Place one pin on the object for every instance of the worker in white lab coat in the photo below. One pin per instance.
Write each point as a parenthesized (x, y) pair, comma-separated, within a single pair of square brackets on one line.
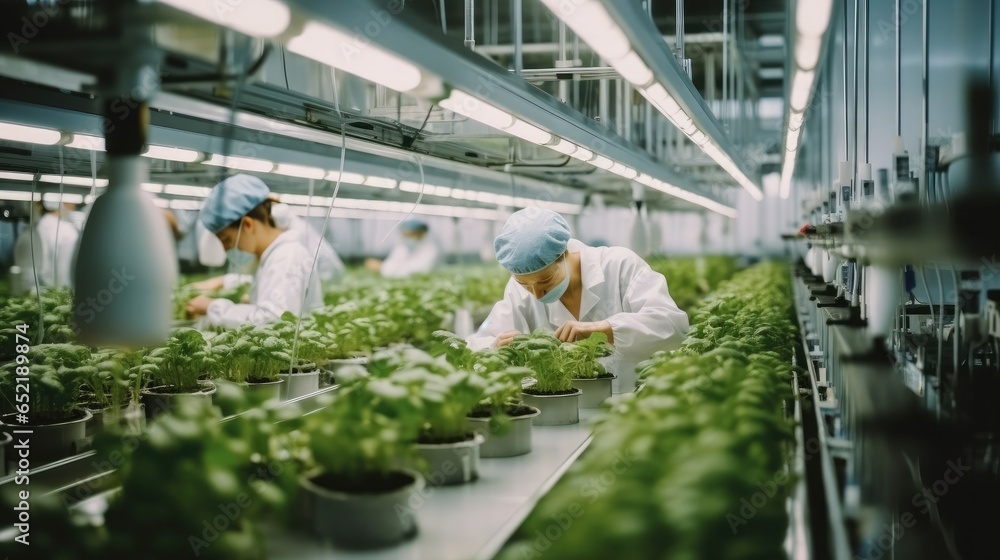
[(238, 212), (417, 254), (562, 285), (53, 242), (329, 267)]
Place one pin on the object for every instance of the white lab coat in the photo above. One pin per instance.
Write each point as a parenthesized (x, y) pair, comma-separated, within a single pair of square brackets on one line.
[(328, 264), (54, 252), (403, 262), (281, 277), (618, 287)]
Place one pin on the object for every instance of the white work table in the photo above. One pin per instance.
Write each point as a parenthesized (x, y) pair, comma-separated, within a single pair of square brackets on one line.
[(470, 521)]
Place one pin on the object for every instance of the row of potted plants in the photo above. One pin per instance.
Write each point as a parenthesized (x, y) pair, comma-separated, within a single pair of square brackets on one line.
[(692, 465)]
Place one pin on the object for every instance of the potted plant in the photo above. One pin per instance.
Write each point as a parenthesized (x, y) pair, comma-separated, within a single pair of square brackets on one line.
[(109, 390), (196, 486), (500, 417), (252, 357), (449, 448), (356, 495), (177, 368), (589, 375), (309, 345), (553, 392), (51, 375)]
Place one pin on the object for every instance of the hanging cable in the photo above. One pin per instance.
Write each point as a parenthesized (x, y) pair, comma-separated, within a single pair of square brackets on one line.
[(867, 83), (420, 196), (940, 333), (55, 251), (34, 267), (954, 335), (326, 221), (927, 291), (854, 159), (847, 129)]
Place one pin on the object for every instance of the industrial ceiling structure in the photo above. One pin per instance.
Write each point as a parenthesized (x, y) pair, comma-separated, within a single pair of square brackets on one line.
[(574, 121)]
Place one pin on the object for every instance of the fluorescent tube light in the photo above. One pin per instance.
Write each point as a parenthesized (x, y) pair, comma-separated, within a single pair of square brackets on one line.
[(477, 110), (241, 163), (186, 190), (178, 204), (70, 180), (86, 142), (172, 154), (601, 162), (30, 134), (352, 178), (589, 20), (12, 176), (813, 17), (257, 18), (529, 132), (563, 147), (17, 195), (380, 182), (67, 198), (340, 50), (582, 154), (302, 171), (155, 188), (633, 69)]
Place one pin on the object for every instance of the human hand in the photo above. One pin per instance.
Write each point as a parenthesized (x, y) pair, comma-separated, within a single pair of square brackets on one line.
[(505, 338), (571, 331), (198, 306), (373, 265)]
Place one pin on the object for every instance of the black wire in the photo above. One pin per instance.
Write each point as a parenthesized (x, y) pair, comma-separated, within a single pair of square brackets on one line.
[(408, 141), (284, 67)]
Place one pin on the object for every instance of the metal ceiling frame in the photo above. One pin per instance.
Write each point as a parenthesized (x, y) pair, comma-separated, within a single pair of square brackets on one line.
[(422, 44)]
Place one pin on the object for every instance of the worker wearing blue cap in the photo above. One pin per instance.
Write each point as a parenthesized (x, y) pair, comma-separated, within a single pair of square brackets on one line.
[(238, 212), (560, 284), (417, 254)]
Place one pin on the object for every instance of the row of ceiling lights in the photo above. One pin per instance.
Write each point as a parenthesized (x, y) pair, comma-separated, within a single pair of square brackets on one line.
[(38, 135), (330, 46)]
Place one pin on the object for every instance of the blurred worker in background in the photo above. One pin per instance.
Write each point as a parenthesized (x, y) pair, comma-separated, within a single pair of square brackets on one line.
[(238, 212), (560, 284), (53, 242), (417, 254), (329, 267)]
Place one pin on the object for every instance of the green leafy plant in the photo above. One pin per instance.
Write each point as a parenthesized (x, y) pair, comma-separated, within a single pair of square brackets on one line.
[(703, 433), (539, 351), (190, 468), (250, 354), (581, 357), (55, 374), (180, 363)]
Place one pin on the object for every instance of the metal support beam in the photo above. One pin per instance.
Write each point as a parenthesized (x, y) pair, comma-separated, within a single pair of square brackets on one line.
[(603, 110), (470, 23), (680, 30), (517, 26)]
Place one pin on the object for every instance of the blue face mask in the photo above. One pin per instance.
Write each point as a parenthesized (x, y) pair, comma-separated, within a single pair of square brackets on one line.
[(554, 294), (238, 259), (411, 243)]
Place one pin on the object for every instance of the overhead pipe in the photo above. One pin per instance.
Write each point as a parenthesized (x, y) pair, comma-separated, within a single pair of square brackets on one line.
[(470, 23), (516, 21)]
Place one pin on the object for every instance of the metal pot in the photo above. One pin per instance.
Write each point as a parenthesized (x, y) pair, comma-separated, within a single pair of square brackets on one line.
[(556, 410), (516, 441), (360, 520), (51, 442), (264, 392), (451, 463), (299, 384), (595, 391), (157, 402)]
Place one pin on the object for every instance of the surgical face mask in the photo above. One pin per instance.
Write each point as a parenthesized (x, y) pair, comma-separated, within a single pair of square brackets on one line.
[(411, 243), (554, 294), (238, 259)]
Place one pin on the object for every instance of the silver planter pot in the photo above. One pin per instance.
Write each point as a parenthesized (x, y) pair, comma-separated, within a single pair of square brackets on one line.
[(131, 417), (299, 383), (556, 410), (51, 442), (158, 402), (265, 392), (360, 521), (515, 441), (595, 391), (451, 463)]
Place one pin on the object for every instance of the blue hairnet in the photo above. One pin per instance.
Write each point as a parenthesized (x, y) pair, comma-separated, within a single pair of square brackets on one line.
[(531, 240), (232, 199), (413, 225)]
